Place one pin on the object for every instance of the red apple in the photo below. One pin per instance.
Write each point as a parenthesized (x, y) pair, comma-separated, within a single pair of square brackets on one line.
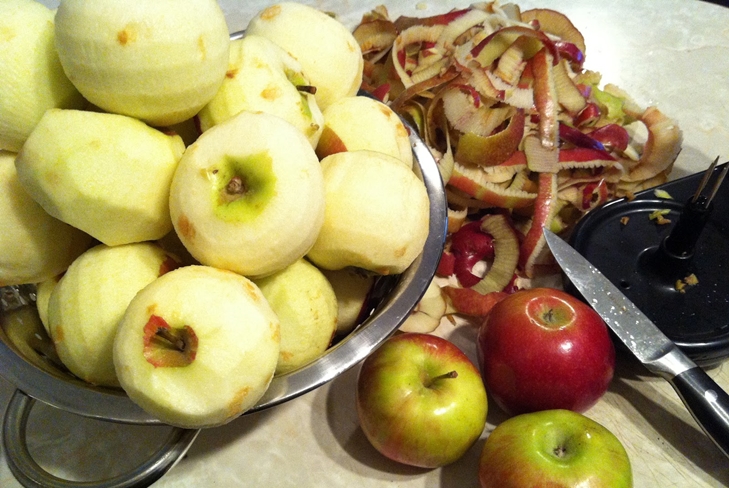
[(420, 400), (543, 349), (555, 448)]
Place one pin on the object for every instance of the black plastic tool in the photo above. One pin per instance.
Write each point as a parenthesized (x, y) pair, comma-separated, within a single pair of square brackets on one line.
[(674, 268)]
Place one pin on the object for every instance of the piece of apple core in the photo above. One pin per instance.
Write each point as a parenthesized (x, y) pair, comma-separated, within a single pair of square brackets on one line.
[(197, 347)]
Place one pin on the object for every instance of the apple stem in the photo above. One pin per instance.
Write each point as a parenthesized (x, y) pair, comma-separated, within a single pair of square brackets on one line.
[(177, 342), (311, 90), (448, 375), (235, 186)]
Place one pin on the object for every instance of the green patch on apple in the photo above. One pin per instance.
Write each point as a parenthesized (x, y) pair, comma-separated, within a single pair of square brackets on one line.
[(242, 187), (556, 448)]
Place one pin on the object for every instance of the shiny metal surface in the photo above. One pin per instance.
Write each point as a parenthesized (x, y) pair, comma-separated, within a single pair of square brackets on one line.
[(644, 339), (30, 474), (41, 381)]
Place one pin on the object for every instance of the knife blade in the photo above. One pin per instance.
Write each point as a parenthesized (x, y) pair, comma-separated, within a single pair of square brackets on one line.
[(707, 402)]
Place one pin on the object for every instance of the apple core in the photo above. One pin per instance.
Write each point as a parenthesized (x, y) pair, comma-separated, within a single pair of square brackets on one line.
[(243, 187)]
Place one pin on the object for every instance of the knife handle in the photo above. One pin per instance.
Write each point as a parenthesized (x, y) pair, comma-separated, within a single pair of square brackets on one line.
[(707, 402)]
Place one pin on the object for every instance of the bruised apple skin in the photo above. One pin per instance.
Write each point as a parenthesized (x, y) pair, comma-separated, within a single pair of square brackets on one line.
[(106, 174), (376, 216), (197, 347), (87, 304), (35, 246), (248, 195), (356, 123), (159, 61), (32, 77), (327, 50), (306, 306), (263, 77)]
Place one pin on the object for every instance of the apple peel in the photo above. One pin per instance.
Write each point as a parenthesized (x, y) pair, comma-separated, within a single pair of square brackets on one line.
[(506, 254)]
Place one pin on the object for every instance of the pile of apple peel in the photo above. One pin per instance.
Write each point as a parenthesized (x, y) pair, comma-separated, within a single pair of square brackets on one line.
[(520, 131), (198, 213)]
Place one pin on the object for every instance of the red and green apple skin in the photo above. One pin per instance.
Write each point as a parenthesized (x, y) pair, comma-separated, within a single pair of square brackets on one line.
[(555, 449), (544, 349), (413, 408)]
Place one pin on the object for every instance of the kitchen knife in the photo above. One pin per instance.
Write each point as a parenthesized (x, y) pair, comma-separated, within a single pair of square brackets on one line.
[(707, 402)]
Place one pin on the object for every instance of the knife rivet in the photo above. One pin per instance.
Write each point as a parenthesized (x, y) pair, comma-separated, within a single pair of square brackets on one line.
[(711, 396)]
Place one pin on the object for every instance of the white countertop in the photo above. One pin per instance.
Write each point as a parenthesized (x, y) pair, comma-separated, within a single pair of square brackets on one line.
[(671, 53)]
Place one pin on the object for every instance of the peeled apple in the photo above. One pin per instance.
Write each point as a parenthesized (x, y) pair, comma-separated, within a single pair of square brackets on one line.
[(159, 61)]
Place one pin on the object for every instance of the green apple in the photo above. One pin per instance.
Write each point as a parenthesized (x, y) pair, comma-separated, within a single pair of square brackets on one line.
[(263, 77), (556, 448), (197, 347), (376, 216), (352, 288), (248, 195), (87, 304), (43, 292), (420, 400), (328, 52), (159, 61), (429, 311), (306, 306), (108, 175), (31, 77), (35, 246), (355, 123)]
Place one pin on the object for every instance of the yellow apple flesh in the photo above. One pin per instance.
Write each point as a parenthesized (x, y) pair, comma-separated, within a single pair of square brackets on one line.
[(228, 356), (108, 175), (31, 77), (352, 288), (326, 49), (376, 216), (43, 299), (158, 61), (427, 314), (263, 77), (248, 195), (88, 303), (306, 305), (356, 123), (35, 246)]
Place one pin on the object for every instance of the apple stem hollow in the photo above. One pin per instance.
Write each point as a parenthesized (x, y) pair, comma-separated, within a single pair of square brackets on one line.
[(177, 342), (236, 186)]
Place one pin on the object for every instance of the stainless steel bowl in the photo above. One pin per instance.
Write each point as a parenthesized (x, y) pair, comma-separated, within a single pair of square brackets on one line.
[(26, 365)]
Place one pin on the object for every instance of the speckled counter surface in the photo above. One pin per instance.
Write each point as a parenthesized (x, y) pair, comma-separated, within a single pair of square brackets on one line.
[(671, 53)]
